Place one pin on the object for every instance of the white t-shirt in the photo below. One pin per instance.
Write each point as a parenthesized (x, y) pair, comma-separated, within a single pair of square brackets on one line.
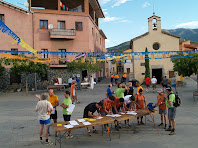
[(153, 80), (42, 108), (126, 99)]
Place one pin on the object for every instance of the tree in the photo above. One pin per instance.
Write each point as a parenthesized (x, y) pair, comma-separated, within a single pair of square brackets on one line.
[(186, 66), (147, 67), (28, 67), (77, 65)]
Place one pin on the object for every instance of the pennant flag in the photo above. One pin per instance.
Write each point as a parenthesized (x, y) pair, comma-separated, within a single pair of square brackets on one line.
[(152, 56), (164, 56), (141, 57)]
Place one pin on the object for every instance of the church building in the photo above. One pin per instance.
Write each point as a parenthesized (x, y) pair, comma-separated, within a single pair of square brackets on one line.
[(154, 40)]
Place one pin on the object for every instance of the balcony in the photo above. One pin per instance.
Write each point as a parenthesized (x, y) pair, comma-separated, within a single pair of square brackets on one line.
[(62, 34)]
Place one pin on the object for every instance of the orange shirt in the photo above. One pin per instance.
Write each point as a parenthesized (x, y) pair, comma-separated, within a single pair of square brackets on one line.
[(106, 105), (112, 76), (161, 99), (140, 100), (116, 76), (53, 99), (117, 103), (140, 87), (124, 75), (73, 90)]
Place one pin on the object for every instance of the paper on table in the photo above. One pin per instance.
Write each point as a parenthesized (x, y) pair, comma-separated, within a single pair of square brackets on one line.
[(81, 120), (131, 113), (123, 113), (68, 126), (114, 115), (73, 122), (71, 108), (86, 123), (99, 117)]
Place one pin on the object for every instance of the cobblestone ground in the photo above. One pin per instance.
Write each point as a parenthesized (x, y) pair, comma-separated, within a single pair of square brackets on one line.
[(19, 125)]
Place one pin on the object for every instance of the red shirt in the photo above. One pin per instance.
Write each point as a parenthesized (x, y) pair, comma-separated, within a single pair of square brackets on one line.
[(147, 80)]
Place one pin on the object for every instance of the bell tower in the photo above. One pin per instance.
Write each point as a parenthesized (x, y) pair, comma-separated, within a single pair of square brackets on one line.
[(154, 24)]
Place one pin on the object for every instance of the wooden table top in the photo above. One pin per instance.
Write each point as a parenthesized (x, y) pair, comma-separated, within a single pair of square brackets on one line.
[(104, 120)]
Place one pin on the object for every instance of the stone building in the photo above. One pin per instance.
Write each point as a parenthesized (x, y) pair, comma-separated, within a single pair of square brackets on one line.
[(154, 40)]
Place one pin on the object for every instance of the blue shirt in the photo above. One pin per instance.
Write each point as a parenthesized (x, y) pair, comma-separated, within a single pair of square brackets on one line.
[(109, 92), (77, 80)]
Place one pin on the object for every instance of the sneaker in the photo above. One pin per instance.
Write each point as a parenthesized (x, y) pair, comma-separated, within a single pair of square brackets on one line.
[(161, 124), (48, 143), (41, 141), (70, 136), (172, 132), (77, 102), (127, 126), (89, 133), (142, 123), (168, 129), (96, 132), (165, 126)]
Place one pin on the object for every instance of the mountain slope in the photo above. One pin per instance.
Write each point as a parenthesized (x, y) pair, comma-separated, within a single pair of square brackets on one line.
[(185, 34)]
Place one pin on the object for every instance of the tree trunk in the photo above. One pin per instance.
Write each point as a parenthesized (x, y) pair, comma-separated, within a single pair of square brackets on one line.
[(26, 84)]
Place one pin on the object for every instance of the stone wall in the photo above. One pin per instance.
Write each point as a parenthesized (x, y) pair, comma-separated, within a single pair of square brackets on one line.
[(5, 79)]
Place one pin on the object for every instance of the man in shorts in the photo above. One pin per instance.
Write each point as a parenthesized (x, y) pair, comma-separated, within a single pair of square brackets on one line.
[(53, 99), (154, 83), (165, 82), (147, 81), (162, 107), (44, 108), (170, 100), (174, 83)]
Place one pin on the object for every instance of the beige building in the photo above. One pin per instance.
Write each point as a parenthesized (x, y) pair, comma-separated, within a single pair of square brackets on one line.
[(154, 40)]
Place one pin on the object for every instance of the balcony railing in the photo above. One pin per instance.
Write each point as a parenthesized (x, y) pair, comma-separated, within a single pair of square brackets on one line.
[(63, 34)]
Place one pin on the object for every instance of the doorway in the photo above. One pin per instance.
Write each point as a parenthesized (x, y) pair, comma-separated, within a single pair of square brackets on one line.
[(171, 74), (158, 74), (128, 70), (84, 74)]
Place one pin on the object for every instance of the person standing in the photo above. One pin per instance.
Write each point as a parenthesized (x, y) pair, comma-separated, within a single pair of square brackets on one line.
[(78, 82), (73, 93), (124, 76), (89, 111), (116, 79), (66, 114), (138, 86), (129, 90), (174, 83), (120, 91), (154, 83), (164, 82), (112, 77), (70, 81), (141, 103), (170, 100), (91, 82), (44, 109), (147, 81), (162, 107), (109, 92)]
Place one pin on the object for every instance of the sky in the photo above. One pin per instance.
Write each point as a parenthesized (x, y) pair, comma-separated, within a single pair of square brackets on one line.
[(126, 19)]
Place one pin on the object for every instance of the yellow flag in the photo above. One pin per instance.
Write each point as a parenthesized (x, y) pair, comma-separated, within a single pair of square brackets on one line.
[(152, 56), (164, 56), (83, 60), (141, 57)]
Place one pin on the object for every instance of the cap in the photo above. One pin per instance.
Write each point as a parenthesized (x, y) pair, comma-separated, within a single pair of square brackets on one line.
[(159, 90), (168, 88)]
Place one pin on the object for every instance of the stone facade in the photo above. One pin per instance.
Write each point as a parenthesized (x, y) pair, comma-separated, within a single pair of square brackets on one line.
[(5, 79)]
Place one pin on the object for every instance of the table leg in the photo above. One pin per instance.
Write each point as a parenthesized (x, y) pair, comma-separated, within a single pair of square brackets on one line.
[(102, 130)]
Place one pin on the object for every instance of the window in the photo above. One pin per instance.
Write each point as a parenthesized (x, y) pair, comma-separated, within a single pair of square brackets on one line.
[(156, 46), (62, 55), (43, 24), (142, 64), (14, 51), (79, 26), (61, 25), (44, 55), (2, 17)]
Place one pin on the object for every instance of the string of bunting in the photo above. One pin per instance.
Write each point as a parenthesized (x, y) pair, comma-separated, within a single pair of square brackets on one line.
[(5, 29)]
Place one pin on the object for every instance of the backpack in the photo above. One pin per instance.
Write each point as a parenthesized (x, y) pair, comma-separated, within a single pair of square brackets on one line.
[(177, 101)]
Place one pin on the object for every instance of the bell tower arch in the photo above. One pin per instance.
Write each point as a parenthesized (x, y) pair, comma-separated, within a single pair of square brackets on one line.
[(154, 23)]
